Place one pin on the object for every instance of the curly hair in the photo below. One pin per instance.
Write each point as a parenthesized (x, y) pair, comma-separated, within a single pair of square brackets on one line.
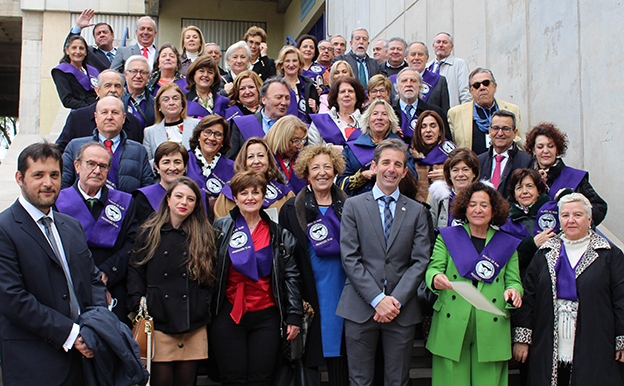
[(551, 131), (418, 142), (500, 206), (518, 175), (309, 152), (209, 121), (360, 94)]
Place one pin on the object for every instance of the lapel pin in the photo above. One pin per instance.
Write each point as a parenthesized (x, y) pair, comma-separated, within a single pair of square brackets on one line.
[(403, 208)]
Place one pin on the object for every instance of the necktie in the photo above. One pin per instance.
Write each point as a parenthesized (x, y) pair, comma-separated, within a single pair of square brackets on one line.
[(145, 52), (387, 216), (497, 170), (74, 308), (110, 56), (109, 146), (91, 202), (436, 67), (408, 111), (362, 73)]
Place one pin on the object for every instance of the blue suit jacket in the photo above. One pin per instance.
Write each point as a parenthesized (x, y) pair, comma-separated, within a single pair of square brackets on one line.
[(34, 301)]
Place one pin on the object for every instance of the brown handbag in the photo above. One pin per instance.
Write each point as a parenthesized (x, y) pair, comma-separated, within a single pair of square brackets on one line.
[(142, 331)]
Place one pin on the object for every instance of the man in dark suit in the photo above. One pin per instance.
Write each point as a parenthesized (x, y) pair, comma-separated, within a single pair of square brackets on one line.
[(384, 246), (47, 278), (81, 122), (103, 53), (145, 33), (275, 99), (409, 106), (364, 67), (434, 87), (108, 218), (503, 155), (137, 99)]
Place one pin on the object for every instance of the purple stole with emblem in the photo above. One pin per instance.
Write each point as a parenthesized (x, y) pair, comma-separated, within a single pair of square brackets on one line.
[(298, 109), (196, 110), (364, 154), (275, 191), (324, 233), (154, 194), (220, 176), (472, 265), (132, 109), (438, 154), (232, 112), (329, 130), (87, 81), (315, 72), (245, 259), (569, 178), (111, 178), (430, 79), (547, 217), (408, 126), (103, 232), (249, 126)]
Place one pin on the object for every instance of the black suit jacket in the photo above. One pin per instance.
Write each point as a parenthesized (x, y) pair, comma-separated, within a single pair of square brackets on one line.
[(81, 123), (34, 301), (422, 106), (371, 64), (265, 68), (439, 96), (97, 58), (237, 139), (518, 159)]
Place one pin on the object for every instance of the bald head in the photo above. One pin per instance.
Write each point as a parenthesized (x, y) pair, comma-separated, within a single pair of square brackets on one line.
[(109, 116)]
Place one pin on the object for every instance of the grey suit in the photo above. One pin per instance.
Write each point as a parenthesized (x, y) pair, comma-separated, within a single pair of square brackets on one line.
[(123, 53), (368, 263)]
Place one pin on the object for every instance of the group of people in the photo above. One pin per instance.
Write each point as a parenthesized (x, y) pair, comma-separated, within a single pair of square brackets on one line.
[(222, 200)]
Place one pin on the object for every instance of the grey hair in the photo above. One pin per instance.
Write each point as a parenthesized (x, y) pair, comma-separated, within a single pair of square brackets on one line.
[(271, 80), (236, 46), (424, 45), (110, 71), (420, 81), (447, 34), (89, 144), (391, 143), (394, 121), (213, 44), (146, 18), (358, 29), (396, 39), (575, 197), (140, 58), (505, 113), (480, 70)]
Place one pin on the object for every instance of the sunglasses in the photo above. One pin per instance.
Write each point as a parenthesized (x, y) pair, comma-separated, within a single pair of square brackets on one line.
[(477, 85)]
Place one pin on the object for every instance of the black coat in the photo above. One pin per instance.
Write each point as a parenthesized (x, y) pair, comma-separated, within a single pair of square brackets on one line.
[(265, 68), (71, 93), (423, 106), (236, 138), (600, 319), (178, 303), (309, 92), (518, 159), (294, 217), (285, 277), (81, 123)]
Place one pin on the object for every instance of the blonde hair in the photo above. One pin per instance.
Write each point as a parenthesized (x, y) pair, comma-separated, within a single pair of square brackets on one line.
[(394, 121), (279, 63), (334, 69), (278, 138), (202, 45)]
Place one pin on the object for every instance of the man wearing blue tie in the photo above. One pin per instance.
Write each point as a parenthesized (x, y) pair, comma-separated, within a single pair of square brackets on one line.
[(454, 69), (385, 249), (364, 67)]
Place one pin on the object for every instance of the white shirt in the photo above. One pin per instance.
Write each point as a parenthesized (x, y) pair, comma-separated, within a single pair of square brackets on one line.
[(503, 162), (151, 52)]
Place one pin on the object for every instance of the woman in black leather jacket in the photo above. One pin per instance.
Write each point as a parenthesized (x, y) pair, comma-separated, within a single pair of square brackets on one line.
[(257, 292)]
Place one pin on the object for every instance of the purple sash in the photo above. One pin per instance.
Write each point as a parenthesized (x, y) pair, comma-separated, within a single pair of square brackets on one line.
[(569, 178), (429, 80), (180, 82), (298, 109), (364, 154), (245, 260), (470, 265), (232, 112), (294, 183), (438, 155), (249, 126), (87, 81), (154, 194), (220, 176), (329, 130), (111, 178), (566, 276), (275, 191), (547, 217), (315, 72), (103, 232), (515, 228), (195, 110), (132, 109), (324, 233), (408, 126)]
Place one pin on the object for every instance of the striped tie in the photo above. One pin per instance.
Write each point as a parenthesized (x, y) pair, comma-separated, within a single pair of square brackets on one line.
[(387, 216)]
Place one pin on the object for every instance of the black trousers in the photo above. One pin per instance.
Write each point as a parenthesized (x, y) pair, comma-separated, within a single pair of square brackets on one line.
[(246, 352)]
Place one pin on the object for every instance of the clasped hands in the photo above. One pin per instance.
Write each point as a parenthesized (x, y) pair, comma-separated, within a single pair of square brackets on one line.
[(386, 310)]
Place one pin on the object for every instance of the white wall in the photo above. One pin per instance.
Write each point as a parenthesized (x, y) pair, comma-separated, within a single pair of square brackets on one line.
[(558, 60)]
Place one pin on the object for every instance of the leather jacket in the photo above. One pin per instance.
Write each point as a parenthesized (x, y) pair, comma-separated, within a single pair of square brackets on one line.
[(285, 277)]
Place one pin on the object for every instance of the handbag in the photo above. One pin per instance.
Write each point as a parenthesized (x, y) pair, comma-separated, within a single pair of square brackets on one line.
[(294, 349), (142, 332)]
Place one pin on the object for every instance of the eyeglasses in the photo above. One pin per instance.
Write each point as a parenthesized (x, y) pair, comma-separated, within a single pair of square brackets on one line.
[(477, 85), (378, 91), (299, 141), (330, 49), (208, 133), (133, 73), (496, 129), (91, 165)]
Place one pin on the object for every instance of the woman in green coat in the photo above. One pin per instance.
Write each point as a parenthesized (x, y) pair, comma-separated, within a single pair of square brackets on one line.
[(470, 346)]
